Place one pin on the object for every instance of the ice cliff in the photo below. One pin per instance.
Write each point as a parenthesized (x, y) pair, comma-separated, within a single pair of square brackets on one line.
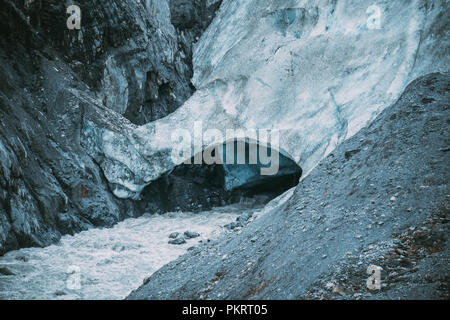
[(318, 71)]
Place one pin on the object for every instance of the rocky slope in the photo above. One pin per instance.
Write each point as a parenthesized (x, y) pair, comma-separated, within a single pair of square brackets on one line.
[(136, 55), (131, 62), (381, 198)]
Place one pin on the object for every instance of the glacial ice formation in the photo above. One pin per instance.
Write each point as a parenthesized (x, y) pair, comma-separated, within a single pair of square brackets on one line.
[(317, 71)]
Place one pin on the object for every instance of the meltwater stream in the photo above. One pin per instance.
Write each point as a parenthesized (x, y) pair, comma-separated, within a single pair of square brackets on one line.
[(108, 263)]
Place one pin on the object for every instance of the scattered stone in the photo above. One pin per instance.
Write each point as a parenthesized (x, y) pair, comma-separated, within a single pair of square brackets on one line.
[(146, 280), (174, 235), (243, 218), (177, 241), (22, 258), (6, 272), (233, 225), (118, 248), (191, 235)]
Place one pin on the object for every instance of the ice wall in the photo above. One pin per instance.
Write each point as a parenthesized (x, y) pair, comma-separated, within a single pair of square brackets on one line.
[(316, 70)]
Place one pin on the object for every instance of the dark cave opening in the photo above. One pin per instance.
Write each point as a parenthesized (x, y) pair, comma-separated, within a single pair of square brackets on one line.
[(199, 187)]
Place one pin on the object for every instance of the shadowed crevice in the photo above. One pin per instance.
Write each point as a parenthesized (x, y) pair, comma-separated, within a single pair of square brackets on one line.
[(195, 187)]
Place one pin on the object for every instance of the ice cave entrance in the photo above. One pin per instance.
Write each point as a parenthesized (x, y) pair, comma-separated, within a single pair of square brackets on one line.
[(202, 186)]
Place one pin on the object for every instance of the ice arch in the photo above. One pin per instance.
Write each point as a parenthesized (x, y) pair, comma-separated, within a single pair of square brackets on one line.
[(191, 187)]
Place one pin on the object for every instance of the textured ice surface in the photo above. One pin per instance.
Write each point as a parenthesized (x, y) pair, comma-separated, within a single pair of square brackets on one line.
[(112, 262), (312, 69)]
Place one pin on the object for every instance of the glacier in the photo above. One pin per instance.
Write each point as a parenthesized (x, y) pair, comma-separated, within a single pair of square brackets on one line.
[(317, 71)]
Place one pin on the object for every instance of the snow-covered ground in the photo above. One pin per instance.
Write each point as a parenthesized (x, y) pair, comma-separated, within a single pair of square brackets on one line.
[(107, 263)]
